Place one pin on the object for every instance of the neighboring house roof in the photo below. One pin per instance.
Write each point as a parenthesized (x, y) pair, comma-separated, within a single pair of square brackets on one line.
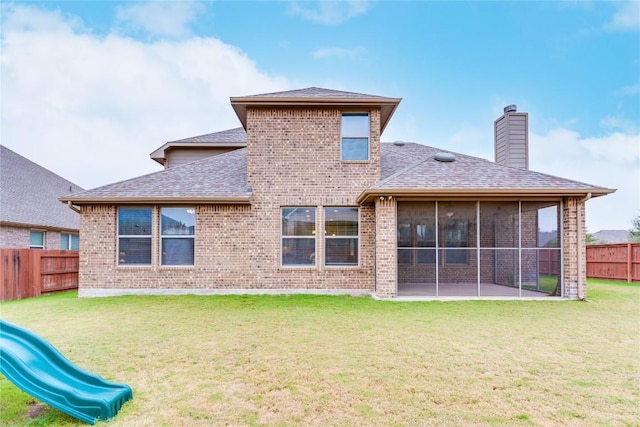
[(406, 168), (216, 179), (419, 173), (29, 194), (227, 138), (314, 96), (612, 236)]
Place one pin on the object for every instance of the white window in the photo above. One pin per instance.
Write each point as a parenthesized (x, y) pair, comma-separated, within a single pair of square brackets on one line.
[(177, 227), (341, 231), (298, 236), (36, 239), (355, 136), (134, 236), (69, 242)]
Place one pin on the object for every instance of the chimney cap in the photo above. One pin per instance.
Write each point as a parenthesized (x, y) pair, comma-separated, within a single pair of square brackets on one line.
[(510, 108)]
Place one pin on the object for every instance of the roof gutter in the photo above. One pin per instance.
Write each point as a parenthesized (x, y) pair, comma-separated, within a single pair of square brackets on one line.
[(164, 200), (73, 208), (370, 194)]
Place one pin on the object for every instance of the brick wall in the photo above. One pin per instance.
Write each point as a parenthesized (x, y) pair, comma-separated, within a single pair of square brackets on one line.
[(20, 237), (293, 159), (575, 276)]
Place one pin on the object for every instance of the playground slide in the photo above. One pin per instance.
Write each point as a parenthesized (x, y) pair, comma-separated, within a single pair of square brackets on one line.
[(38, 369)]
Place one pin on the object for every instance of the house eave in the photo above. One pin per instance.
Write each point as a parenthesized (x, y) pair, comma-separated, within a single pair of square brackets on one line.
[(387, 105), (157, 200), (369, 195), (38, 226)]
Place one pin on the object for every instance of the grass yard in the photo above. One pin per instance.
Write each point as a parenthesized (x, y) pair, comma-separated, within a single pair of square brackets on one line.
[(343, 361)]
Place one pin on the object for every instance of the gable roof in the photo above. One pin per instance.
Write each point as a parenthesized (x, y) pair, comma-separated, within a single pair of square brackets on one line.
[(314, 96), (29, 194), (410, 169), (236, 137), (213, 180)]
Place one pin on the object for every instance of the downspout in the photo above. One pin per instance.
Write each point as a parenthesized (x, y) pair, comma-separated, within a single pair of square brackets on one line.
[(73, 208), (581, 244)]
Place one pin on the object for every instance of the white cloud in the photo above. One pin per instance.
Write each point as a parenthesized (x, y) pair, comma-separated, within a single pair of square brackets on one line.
[(160, 18), (629, 90), (329, 52), (627, 16), (92, 108), (627, 126), (611, 161), (329, 12)]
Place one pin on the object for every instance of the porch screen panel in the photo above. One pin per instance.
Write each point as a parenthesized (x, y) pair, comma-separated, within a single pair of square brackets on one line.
[(541, 253), (298, 236), (416, 241), (134, 236), (499, 242)]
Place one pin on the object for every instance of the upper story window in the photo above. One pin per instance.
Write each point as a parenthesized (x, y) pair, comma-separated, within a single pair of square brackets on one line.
[(177, 227), (134, 236), (355, 136), (36, 239)]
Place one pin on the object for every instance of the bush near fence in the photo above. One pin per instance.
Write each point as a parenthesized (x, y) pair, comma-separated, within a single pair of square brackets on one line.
[(32, 272), (614, 262)]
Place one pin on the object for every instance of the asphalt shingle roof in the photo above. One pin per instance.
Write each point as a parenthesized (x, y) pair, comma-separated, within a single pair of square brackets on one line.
[(237, 135), (221, 177), (412, 166), (316, 92), (404, 166), (29, 194)]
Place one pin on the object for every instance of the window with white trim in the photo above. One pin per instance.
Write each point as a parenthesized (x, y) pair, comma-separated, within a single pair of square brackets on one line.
[(134, 235), (298, 236), (69, 242), (355, 136), (36, 239), (177, 231), (341, 236)]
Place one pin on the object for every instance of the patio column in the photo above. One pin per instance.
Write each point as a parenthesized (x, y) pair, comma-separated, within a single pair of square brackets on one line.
[(574, 251), (386, 250)]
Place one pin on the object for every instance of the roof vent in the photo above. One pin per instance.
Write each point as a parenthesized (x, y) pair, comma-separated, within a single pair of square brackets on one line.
[(510, 108), (398, 143), (444, 157)]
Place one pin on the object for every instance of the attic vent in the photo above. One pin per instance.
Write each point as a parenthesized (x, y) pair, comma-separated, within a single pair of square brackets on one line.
[(444, 157), (510, 108), (398, 143)]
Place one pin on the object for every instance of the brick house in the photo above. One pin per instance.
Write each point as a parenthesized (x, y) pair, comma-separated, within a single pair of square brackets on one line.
[(304, 197), (31, 215)]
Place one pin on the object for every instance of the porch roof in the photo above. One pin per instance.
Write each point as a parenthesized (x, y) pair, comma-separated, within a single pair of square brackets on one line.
[(412, 170), (213, 180)]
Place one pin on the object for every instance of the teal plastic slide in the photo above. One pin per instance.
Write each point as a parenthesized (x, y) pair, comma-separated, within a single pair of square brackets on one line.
[(38, 369)]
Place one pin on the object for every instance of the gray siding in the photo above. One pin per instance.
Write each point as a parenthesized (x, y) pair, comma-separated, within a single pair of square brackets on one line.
[(180, 156), (511, 140)]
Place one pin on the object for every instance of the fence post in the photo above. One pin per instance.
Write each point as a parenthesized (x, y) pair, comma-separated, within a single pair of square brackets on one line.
[(629, 269)]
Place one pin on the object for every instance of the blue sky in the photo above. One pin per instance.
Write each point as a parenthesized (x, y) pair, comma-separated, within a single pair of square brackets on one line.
[(89, 89)]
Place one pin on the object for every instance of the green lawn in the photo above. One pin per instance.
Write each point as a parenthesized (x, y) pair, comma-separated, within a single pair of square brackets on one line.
[(320, 360)]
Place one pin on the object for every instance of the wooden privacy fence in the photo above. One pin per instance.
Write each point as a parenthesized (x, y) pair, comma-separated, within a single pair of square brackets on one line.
[(614, 262), (32, 272)]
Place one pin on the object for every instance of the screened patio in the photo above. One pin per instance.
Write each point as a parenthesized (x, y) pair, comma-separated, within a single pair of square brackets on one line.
[(479, 249)]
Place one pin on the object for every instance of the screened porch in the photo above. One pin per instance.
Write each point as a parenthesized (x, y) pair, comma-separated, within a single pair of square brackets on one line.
[(479, 249)]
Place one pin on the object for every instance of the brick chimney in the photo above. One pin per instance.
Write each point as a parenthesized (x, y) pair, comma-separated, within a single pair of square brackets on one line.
[(511, 136)]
